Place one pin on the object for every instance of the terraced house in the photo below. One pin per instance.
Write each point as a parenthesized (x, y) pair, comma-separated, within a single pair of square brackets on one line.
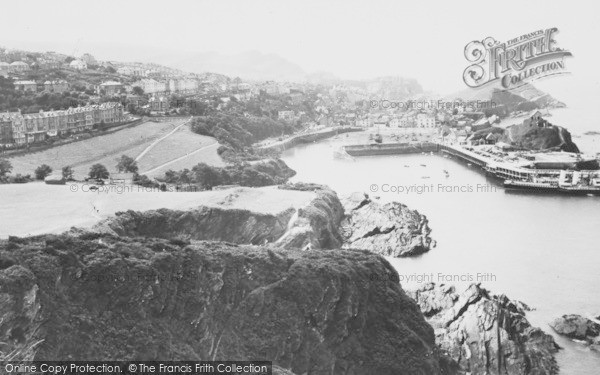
[(19, 129)]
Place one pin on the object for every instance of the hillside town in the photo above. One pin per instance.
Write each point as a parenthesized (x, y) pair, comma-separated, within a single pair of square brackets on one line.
[(48, 95)]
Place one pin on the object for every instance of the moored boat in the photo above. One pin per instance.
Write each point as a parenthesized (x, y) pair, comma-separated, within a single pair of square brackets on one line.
[(534, 187)]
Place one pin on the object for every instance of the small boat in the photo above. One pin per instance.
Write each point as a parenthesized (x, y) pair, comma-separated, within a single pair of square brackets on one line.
[(423, 165), (425, 177), (406, 166)]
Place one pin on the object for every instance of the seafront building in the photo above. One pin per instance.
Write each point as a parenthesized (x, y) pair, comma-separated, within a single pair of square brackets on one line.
[(21, 129)]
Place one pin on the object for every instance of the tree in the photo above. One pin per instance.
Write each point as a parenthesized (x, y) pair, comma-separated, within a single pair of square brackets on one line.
[(98, 171), (5, 167), (67, 173), (137, 90), (205, 175), (127, 164), (43, 171)]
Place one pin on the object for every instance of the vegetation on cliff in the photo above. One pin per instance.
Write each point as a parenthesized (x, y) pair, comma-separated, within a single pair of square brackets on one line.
[(102, 297), (263, 173), (237, 132)]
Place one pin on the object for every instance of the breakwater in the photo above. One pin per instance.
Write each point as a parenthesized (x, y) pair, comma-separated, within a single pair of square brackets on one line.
[(307, 138), (382, 149), (391, 148)]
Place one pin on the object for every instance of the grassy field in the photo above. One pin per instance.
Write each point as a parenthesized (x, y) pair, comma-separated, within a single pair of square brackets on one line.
[(158, 142), (182, 149)]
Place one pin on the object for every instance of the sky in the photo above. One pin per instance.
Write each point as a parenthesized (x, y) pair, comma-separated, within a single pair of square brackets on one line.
[(352, 39)]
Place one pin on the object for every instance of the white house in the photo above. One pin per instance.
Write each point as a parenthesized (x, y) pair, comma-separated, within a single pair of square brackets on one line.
[(78, 65)]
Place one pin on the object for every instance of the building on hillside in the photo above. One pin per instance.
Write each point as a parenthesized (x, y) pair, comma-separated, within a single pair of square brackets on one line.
[(78, 65), (151, 86), (6, 132), (49, 64), (134, 71), (425, 121), (159, 104), (286, 115), (183, 85), (30, 86), (4, 69), (36, 127), (110, 88), (18, 67), (56, 86)]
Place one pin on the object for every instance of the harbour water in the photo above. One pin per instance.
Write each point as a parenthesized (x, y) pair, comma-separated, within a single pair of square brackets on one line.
[(541, 250)]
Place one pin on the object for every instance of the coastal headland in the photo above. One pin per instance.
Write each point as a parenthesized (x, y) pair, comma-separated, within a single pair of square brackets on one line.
[(221, 280)]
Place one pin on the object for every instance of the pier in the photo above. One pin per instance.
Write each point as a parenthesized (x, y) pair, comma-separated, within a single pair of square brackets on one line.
[(464, 154), (514, 168)]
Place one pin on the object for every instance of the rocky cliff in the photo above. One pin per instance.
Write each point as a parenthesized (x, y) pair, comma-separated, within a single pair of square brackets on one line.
[(486, 334), (530, 136), (98, 296), (390, 229), (314, 225)]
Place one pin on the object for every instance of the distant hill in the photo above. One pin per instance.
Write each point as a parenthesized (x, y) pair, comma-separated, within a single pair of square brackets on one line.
[(524, 98), (251, 65)]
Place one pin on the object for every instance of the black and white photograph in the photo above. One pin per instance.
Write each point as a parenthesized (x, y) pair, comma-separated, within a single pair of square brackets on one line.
[(287, 187)]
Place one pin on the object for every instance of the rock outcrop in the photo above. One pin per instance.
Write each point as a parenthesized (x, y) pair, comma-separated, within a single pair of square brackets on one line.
[(486, 334), (390, 229), (579, 328), (312, 226), (100, 297), (543, 136), (316, 225)]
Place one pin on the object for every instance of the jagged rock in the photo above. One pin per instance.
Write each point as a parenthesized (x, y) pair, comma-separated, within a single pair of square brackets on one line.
[(101, 297), (530, 136), (579, 328), (316, 225), (312, 226), (202, 223), (486, 334), (390, 229)]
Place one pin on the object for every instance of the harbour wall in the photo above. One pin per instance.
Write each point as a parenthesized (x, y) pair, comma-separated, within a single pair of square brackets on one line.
[(391, 148), (308, 138)]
